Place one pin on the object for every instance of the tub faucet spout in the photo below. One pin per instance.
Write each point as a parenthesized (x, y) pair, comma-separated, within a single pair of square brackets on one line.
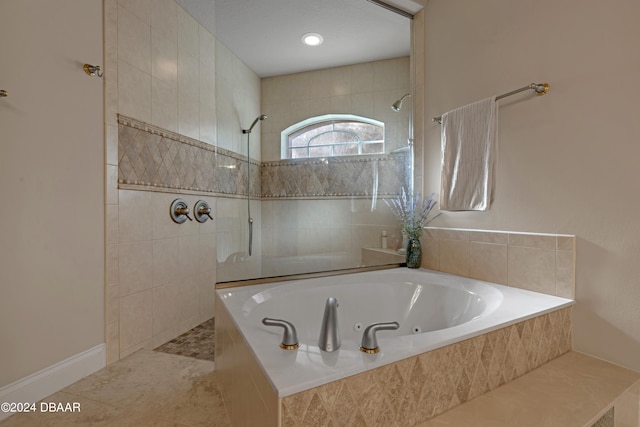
[(330, 332)]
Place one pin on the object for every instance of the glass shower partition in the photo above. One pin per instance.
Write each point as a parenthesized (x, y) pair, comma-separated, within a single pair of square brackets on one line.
[(327, 213)]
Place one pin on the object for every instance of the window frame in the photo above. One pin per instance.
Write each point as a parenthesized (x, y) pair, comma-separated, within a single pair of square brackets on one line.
[(326, 119)]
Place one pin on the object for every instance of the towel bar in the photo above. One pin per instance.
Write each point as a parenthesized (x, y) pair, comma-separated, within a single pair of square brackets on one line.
[(540, 88)]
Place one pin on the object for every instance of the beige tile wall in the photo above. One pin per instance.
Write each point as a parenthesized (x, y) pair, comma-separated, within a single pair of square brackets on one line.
[(165, 67), (537, 262), (159, 69), (338, 228), (366, 89), (166, 271), (237, 104), (233, 240)]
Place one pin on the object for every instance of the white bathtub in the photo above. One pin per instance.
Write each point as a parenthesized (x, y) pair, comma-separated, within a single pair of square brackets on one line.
[(434, 309)]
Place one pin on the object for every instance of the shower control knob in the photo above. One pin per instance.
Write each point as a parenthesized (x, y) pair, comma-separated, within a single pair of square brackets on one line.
[(183, 211), (202, 211), (179, 211), (205, 211)]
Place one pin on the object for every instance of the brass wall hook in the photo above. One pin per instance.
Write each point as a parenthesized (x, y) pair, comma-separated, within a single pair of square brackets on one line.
[(93, 70), (3, 93)]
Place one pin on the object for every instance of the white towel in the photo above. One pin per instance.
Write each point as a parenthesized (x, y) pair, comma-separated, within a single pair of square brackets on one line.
[(469, 150)]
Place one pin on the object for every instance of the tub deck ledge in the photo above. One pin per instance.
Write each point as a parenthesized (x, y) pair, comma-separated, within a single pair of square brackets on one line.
[(572, 390)]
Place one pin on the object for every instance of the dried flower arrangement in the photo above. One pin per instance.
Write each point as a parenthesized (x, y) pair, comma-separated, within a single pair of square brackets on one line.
[(405, 209)]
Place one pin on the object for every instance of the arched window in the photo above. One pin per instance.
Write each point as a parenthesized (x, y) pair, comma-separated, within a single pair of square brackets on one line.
[(333, 135)]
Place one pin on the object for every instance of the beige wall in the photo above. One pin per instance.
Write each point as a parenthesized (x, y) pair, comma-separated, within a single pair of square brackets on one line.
[(567, 161), (51, 182)]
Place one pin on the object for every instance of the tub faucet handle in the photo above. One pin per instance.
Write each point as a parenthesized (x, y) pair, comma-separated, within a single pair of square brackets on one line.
[(290, 337), (369, 341)]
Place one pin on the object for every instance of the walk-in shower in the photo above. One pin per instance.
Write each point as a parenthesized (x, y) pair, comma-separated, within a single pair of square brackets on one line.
[(248, 133), (314, 215)]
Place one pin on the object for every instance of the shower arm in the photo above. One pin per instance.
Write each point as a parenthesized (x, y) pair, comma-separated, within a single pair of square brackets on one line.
[(403, 97)]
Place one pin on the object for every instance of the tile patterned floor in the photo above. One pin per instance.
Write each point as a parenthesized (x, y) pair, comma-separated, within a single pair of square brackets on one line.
[(146, 388), (197, 342)]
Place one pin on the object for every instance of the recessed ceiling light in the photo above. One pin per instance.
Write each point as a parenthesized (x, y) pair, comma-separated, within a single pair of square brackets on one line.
[(312, 39)]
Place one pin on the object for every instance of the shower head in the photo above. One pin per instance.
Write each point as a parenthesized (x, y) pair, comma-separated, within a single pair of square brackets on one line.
[(398, 104), (259, 118)]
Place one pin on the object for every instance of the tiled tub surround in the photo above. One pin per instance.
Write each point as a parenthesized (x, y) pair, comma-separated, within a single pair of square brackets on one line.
[(534, 261), (385, 389)]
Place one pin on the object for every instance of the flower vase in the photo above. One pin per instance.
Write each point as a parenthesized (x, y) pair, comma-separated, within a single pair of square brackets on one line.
[(414, 252)]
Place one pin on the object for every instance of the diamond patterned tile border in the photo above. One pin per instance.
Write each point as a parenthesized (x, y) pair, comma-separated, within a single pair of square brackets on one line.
[(159, 160), (344, 176), (416, 389)]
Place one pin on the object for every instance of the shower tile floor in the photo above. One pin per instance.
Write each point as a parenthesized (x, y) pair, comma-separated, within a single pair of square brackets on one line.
[(197, 343), (146, 388)]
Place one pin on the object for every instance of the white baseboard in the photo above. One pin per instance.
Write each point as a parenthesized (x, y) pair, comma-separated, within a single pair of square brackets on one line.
[(41, 384)]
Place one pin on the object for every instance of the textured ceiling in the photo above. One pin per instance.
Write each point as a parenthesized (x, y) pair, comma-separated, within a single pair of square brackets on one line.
[(265, 34)]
